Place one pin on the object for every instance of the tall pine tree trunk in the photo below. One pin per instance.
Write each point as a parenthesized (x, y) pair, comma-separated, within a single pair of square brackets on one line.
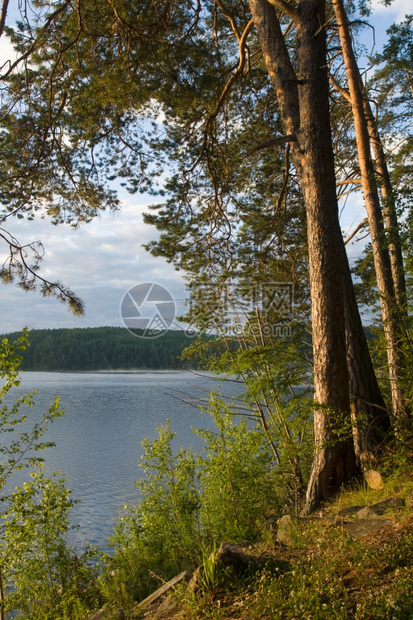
[(371, 197), (389, 212), (303, 100)]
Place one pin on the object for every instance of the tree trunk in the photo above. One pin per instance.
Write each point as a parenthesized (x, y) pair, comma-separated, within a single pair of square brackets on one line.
[(370, 419), (390, 215), (371, 197), (304, 107)]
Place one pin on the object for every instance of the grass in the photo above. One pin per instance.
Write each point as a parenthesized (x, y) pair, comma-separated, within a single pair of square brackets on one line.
[(329, 575)]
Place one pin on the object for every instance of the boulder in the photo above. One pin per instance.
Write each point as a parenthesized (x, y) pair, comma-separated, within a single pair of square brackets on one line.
[(373, 479), (365, 513), (364, 527), (236, 559), (284, 532), (392, 503), (235, 555), (350, 510)]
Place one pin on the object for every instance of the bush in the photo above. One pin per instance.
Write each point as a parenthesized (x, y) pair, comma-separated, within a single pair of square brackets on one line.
[(191, 502), (40, 575)]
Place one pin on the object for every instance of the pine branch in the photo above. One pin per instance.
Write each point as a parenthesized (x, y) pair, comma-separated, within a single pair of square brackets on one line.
[(343, 91), (356, 230), (28, 278), (273, 142)]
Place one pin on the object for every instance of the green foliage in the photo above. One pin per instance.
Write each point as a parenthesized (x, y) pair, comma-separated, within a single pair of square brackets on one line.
[(340, 579), (237, 477), (328, 574), (191, 502), (225, 493), (43, 576), (64, 135), (210, 574), (40, 575), (159, 537), (21, 451), (276, 374)]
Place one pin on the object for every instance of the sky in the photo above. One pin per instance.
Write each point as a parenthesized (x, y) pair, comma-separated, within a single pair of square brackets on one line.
[(102, 260)]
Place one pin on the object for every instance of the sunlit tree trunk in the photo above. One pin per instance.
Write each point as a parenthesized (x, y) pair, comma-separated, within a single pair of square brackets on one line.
[(389, 212), (375, 219), (370, 419), (303, 100)]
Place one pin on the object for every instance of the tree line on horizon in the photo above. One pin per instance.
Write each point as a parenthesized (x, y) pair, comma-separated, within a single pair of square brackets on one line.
[(102, 348)]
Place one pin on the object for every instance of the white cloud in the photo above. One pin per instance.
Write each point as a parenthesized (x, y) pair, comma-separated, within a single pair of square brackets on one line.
[(381, 19), (99, 261), (396, 11), (7, 53)]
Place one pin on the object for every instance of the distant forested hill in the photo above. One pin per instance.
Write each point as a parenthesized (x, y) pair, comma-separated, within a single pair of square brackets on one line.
[(101, 348)]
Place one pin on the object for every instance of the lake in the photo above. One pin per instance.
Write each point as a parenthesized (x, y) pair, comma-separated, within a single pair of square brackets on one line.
[(98, 440)]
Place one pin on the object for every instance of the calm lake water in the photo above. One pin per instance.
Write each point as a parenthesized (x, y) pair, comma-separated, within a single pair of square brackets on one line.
[(98, 440)]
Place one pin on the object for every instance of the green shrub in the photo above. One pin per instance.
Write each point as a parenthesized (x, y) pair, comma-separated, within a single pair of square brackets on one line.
[(237, 477), (190, 503), (40, 575), (159, 537)]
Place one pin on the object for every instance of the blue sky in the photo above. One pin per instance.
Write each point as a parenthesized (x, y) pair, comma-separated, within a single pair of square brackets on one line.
[(100, 261)]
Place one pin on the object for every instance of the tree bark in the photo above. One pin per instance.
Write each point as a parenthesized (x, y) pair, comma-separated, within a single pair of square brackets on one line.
[(369, 415), (371, 197), (389, 212), (304, 107)]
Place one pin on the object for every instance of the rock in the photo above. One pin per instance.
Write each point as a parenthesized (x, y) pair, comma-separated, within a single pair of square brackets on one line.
[(361, 528), (350, 510), (194, 584), (284, 532), (392, 503), (234, 558), (234, 555), (365, 513), (373, 479), (185, 576)]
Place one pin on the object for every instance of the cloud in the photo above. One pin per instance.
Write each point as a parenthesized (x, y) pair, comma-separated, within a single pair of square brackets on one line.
[(6, 50), (381, 19), (396, 11), (100, 261)]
